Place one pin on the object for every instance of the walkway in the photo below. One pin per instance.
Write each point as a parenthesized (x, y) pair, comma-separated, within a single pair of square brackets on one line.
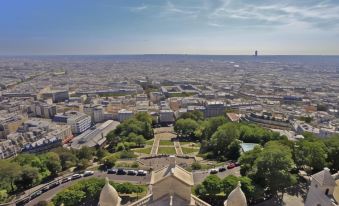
[(177, 147), (155, 146)]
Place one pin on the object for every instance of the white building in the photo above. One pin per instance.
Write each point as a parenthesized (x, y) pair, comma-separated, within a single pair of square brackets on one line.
[(78, 121), (95, 111)]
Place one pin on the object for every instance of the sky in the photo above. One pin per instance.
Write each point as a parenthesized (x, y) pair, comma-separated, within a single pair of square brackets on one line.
[(230, 27)]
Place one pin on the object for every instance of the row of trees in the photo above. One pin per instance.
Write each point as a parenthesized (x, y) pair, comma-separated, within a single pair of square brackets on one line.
[(219, 137), (213, 186), (28, 170), (220, 140), (131, 133), (89, 190)]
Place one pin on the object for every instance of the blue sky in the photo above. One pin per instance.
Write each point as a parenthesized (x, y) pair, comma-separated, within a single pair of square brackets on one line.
[(169, 26)]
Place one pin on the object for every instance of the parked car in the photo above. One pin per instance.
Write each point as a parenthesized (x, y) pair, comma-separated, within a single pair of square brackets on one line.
[(88, 173), (222, 169), (67, 179), (131, 172), (54, 184), (76, 176), (142, 173), (237, 164), (45, 189), (121, 172), (111, 171), (231, 166), (23, 201), (36, 194), (213, 171)]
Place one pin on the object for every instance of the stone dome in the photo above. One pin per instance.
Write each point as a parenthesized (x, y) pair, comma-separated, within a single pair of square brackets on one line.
[(109, 196), (236, 197)]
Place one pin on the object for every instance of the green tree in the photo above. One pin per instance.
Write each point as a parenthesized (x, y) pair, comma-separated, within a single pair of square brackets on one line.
[(52, 162), (109, 161), (200, 190), (223, 137), (29, 177), (69, 197), (207, 128), (144, 117), (28, 159), (312, 154), (3, 196), (247, 160), (332, 145), (185, 127), (85, 153), (9, 173), (273, 166), (195, 115), (233, 150), (196, 166), (83, 164), (101, 153), (68, 160), (228, 184), (140, 140), (212, 184)]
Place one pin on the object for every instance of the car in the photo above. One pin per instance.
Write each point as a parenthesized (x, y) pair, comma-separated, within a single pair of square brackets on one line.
[(76, 176), (121, 172), (213, 171), (131, 172), (142, 173), (23, 201), (237, 164), (231, 166), (111, 171), (88, 173), (54, 184), (45, 189), (67, 179), (36, 194), (222, 169)]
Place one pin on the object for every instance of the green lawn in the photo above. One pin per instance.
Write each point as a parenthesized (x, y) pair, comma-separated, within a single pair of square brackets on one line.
[(149, 142), (166, 150), (196, 144), (146, 150), (166, 142), (189, 150)]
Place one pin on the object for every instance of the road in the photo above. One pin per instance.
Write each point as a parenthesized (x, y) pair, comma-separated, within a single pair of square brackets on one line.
[(199, 176), (117, 178)]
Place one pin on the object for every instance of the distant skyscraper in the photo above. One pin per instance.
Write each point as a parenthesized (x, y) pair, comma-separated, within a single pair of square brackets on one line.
[(256, 53)]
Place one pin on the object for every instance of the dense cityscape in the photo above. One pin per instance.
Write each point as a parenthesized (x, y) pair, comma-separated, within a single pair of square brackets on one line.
[(169, 103), (169, 130)]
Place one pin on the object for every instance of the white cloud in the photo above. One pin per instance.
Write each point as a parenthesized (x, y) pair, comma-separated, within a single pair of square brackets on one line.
[(276, 14), (139, 8)]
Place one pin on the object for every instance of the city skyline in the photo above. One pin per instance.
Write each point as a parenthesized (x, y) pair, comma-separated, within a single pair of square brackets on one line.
[(170, 27)]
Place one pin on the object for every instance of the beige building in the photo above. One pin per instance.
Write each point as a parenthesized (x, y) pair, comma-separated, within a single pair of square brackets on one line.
[(169, 186), (323, 190)]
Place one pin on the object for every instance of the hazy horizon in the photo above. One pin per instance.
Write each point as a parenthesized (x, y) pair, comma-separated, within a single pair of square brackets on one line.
[(195, 27)]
